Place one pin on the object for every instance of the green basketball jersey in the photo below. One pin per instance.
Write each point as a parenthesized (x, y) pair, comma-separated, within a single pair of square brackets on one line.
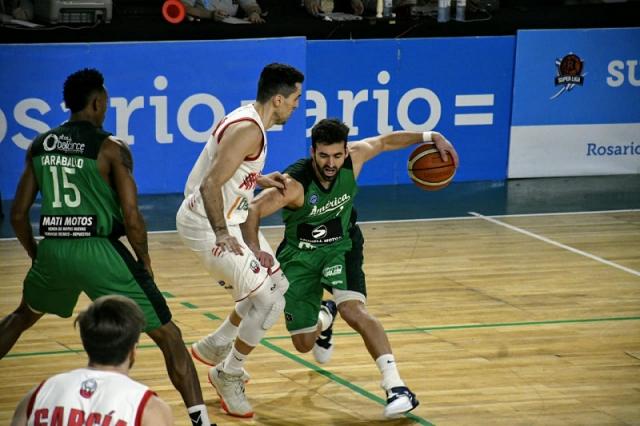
[(76, 201), (325, 217)]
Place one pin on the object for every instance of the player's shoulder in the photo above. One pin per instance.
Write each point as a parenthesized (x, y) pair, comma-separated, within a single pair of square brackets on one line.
[(241, 133), (301, 171), (157, 412)]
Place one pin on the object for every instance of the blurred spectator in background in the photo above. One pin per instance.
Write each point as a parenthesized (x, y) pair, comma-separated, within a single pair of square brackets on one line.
[(356, 7), (219, 10)]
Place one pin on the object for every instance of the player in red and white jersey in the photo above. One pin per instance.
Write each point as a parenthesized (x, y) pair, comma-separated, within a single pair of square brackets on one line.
[(217, 196), (239, 189), (102, 393)]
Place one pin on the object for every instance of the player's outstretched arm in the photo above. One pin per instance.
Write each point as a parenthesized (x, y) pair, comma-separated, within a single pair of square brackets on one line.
[(240, 140), (25, 195), (366, 149)]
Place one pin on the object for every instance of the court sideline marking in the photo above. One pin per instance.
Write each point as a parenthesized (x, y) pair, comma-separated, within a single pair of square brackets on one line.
[(555, 243)]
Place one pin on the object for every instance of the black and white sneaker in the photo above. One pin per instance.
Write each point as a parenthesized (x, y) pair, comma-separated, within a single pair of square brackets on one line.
[(323, 347), (400, 400)]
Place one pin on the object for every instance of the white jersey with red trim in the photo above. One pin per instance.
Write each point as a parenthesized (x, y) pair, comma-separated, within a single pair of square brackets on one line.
[(238, 191), (88, 397)]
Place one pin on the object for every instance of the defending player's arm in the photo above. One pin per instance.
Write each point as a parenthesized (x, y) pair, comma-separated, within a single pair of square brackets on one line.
[(157, 413), (364, 150), (25, 195), (268, 202), (241, 140), (119, 156), (272, 180)]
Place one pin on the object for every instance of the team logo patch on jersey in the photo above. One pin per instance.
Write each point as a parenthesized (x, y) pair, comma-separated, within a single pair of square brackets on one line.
[(319, 232), (288, 317), (88, 388), (255, 266), (62, 143), (313, 199), (331, 271)]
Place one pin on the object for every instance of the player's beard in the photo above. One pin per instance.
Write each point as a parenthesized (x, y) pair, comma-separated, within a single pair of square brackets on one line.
[(323, 175)]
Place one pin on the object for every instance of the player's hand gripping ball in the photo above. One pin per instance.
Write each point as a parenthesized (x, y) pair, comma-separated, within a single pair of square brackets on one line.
[(427, 170)]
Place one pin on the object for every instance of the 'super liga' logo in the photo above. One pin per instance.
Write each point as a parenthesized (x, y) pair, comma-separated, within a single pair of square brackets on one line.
[(569, 73)]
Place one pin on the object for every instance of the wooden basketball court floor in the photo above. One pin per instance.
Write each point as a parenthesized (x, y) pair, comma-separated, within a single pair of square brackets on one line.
[(509, 319)]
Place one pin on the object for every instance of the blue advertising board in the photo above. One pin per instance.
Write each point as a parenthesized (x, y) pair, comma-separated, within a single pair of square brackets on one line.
[(164, 100), (576, 103), (460, 87), (166, 97)]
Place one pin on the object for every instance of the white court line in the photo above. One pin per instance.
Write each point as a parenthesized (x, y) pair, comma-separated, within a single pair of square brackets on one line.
[(557, 244)]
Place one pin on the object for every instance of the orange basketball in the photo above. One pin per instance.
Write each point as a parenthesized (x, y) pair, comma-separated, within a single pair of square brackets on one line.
[(427, 170)]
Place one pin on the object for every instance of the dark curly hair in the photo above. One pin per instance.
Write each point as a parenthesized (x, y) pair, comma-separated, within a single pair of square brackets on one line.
[(79, 87), (329, 131)]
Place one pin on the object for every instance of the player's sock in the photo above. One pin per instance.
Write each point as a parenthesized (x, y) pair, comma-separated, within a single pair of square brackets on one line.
[(226, 333), (199, 415), (390, 376), (234, 362), (325, 319)]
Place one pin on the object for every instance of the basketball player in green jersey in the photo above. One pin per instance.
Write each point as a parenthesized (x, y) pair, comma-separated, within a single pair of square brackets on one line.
[(323, 246), (89, 200)]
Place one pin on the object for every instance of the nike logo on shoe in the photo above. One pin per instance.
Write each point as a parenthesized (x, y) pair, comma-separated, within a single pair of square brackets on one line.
[(196, 419)]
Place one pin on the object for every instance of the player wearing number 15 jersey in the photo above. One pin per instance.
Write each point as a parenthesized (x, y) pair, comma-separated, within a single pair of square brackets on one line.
[(89, 200)]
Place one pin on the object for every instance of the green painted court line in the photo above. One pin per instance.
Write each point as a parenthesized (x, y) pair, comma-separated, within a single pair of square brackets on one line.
[(189, 305), (398, 330), (491, 325), (167, 294), (337, 379)]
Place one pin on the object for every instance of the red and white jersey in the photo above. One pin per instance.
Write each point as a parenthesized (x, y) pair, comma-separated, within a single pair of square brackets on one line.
[(88, 397), (237, 191)]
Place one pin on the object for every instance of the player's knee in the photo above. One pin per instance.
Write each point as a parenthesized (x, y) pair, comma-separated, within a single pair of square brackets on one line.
[(303, 342), (267, 308), (355, 314), (269, 302)]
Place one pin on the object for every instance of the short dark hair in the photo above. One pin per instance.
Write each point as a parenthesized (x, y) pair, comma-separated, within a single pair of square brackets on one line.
[(329, 131), (277, 79), (79, 87), (110, 328)]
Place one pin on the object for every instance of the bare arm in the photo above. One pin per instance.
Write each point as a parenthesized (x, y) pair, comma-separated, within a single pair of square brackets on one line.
[(119, 158), (253, 11), (268, 202), (25, 195), (240, 140), (20, 414), (157, 413), (366, 149)]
